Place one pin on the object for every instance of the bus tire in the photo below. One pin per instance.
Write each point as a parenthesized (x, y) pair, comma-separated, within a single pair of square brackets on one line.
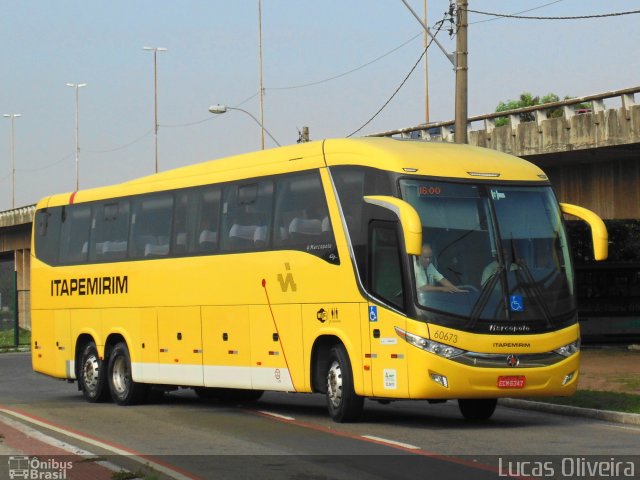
[(124, 391), (477, 409), (343, 403), (92, 375)]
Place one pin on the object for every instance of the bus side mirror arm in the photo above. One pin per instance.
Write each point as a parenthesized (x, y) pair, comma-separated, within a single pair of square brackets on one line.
[(598, 229), (409, 220)]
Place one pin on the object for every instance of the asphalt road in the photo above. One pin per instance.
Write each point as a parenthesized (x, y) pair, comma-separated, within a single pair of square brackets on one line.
[(291, 435)]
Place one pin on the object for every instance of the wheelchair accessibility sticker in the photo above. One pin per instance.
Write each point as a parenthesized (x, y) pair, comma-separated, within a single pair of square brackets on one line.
[(516, 303), (373, 314)]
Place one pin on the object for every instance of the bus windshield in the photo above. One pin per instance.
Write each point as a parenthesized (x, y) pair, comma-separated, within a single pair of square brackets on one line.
[(492, 254)]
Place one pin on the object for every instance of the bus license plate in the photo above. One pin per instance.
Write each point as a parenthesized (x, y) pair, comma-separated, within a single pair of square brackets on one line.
[(513, 381)]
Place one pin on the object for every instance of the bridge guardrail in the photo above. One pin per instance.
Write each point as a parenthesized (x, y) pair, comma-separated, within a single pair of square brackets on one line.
[(444, 130)]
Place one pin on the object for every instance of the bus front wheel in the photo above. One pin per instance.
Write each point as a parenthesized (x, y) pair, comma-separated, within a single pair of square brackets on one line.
[(478, 408), (343, 403), (92, 375), (124, 390)]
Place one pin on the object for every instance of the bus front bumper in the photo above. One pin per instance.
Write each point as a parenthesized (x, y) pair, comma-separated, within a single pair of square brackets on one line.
[(441, 378)]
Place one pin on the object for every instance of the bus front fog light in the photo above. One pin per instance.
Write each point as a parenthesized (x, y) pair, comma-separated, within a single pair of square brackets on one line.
[(568, 378), (439, 379)]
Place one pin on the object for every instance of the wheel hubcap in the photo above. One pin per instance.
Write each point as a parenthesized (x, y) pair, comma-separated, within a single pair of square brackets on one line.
[(91, 372), (334, 385), (120, 375)]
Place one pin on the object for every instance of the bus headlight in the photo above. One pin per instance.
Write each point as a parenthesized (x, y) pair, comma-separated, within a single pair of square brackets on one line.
[(569, 349), (440, 349)]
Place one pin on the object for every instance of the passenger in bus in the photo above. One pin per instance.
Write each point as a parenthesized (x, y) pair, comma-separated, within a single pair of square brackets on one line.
[(428, 278)]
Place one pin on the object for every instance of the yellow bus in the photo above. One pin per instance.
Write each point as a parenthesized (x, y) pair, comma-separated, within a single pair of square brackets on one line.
[(310, 268)]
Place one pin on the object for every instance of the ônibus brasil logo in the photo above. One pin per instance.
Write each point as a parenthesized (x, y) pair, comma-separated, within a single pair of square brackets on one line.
[(33, 468)]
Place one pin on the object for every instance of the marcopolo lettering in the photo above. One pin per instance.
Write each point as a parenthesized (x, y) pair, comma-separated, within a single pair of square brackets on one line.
[(90, 286)]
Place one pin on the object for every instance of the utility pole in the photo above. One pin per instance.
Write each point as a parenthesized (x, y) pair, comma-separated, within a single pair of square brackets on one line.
[(461, 71), (426, 68)]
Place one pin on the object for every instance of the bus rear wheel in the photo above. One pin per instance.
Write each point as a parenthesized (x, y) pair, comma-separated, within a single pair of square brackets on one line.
[(91, 375), (124, 391), (477, 409), (343, 403)]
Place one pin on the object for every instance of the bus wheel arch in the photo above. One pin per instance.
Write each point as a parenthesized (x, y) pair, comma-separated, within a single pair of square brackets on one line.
[(320, 361), (332, 374)]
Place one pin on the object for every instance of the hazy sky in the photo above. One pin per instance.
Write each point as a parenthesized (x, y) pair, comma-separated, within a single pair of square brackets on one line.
[(212, 58)]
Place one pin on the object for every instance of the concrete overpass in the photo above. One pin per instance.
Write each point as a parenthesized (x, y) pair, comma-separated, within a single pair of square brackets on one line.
[(15, 261)]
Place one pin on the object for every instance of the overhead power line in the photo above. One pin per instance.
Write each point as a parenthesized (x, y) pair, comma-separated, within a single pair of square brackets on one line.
[(402, 83), (517, 13), (343, 74), (122, 147), (579, 17), (45, 167)]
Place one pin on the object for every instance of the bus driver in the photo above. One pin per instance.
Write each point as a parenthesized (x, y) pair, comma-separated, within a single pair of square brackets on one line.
[(428, 278)]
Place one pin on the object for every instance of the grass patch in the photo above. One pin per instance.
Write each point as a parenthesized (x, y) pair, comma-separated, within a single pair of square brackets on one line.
[(617, 402), (629, 381), (7, 340)]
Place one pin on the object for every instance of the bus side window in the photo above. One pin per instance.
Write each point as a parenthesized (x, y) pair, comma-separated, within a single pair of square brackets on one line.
[(110, 231), (301, 215), (206, 202), (47, 238), (74, 233), (184, 222), (151, 226), (247, 216)]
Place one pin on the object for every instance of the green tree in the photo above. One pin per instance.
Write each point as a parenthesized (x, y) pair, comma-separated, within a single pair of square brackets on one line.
[(528, 100)]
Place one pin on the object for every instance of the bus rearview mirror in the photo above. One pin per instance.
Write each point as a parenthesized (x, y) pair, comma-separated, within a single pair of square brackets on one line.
[(599, 233), (409, 220)]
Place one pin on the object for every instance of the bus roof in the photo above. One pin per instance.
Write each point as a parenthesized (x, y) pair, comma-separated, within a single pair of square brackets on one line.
[(437, 159)]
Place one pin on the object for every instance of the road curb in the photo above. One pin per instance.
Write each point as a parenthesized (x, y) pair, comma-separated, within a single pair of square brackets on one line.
[(607, 415)]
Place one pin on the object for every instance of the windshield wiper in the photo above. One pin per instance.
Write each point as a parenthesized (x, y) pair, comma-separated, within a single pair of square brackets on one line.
[(485, 294), (530, 283)]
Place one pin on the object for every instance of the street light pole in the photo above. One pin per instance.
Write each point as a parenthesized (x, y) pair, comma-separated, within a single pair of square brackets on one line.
[(219, 109), (13, 117), (77, 86), (155, 51)]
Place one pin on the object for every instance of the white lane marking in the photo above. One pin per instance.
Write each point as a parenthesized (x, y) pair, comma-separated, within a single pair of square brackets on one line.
[(391, 442), (54, 442), (276, 415), (118, 451)]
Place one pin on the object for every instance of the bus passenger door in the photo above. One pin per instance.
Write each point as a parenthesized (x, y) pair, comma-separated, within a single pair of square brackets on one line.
[(227, 347), (180, 345), (388, 353)]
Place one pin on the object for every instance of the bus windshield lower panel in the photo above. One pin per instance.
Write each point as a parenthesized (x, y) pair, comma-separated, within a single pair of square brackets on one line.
[(494, 257)]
